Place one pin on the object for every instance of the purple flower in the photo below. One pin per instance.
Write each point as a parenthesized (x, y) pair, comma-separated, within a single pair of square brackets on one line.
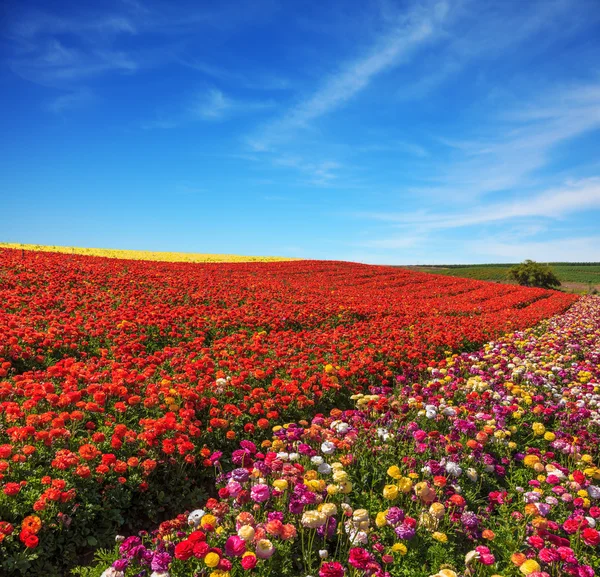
[(394, 515), (469, 520), (240, 475), (160, 562), (405, 532), (121, 564)]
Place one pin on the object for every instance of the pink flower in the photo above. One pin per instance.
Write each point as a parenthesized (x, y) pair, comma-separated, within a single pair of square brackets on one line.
[(485, 555), (259, 493), (235, 546), (549, 555), (359, 558)]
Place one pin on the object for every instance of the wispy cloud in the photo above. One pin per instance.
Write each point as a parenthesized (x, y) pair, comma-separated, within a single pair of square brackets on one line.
[(410, 32), (258, 80), (215, 105), (41, 54), (71, 100), (211, 105), (583, 249), (557, 203), (321, 173)]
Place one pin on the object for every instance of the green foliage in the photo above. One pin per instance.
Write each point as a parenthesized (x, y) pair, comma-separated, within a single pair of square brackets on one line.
[(533, 274), (583, 272)]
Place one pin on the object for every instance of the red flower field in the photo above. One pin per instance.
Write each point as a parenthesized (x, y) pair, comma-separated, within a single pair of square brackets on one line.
[(120, 381)]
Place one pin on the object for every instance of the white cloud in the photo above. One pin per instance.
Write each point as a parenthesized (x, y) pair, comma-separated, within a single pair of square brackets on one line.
[(212, 105), (578, 249), (572, 198)]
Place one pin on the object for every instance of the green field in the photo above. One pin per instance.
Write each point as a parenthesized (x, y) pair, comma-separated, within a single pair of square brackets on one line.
[(583, 274)]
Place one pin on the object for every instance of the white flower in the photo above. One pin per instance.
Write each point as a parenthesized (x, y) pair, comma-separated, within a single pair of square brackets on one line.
[(294, 456), (449, 412), (160, 574), (119, 538), (324, 468), (323, 553), (316, 460), (195, 516), (593, 492), (340, 426), (453, 469), (328, 448), (472, 474), (282, 456), (112, 572)]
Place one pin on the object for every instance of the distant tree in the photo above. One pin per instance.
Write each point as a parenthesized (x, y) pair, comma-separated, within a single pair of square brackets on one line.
[(531, 273)]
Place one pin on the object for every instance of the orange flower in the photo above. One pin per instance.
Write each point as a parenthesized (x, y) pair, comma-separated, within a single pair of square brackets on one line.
[(488, 534), (530, 509), (32, 523), (518, 559)]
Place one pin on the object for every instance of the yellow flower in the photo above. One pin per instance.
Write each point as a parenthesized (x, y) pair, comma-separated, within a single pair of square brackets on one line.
[(441, 537), (405, 484), (280, 484), (329, 368), (394, 472), (380, 519), (538, 429), (530, 566), (211, 559), (315, 485), (390, 492), (329, 509), (437, 510), (399, 548), (340, 476), (208, 520), (332, 489), (531, 460), (549, 436), (345, 487)]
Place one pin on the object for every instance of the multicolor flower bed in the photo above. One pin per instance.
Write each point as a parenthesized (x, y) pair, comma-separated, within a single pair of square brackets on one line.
[(487, 467), (123, 382)]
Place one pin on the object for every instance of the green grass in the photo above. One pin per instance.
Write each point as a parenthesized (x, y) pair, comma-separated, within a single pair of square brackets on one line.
[(584, 273)]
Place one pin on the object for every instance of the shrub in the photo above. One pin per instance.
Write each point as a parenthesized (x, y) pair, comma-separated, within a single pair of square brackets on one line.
[(533, 274)]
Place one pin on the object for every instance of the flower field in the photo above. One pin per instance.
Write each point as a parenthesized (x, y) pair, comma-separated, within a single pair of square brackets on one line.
[(125, 384), (486, 467)]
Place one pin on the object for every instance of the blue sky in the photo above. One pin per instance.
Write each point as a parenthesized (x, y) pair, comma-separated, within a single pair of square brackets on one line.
[(384, 132)]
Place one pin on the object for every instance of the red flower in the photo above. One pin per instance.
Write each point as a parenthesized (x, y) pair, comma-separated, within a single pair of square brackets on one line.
[(30, 540), (249, 562), (590, 537), (333, 569), (11, 489), (184, 550)]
